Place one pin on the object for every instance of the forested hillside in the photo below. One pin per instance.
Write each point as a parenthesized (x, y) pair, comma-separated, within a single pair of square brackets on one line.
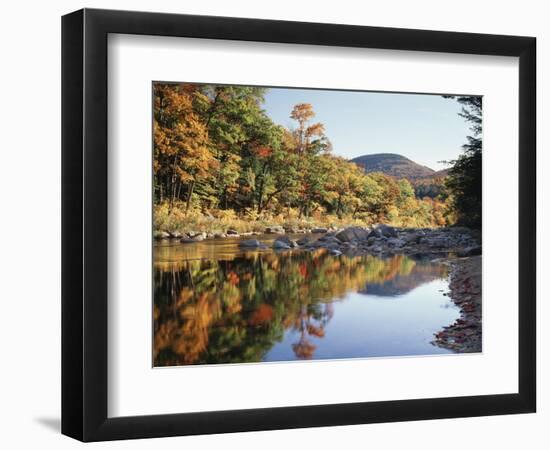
[(425, 181), (219, 160), (394, 165)]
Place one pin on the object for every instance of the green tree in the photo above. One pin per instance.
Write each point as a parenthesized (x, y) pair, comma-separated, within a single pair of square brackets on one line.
[(464, 180)]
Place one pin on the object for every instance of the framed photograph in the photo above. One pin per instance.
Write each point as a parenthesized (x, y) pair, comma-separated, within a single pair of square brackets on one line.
[(273, 224)]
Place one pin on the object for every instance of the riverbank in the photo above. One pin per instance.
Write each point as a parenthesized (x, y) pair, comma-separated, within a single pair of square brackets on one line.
[(352, 241), (464, 336)]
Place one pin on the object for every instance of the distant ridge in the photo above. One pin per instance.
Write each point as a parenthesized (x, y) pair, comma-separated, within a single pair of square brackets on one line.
[(397, 166)]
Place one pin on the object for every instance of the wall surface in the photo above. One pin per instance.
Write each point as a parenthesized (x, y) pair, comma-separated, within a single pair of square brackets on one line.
[(30, 225)]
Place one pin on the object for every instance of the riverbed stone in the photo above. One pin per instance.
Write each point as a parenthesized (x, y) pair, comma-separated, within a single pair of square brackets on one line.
[(470, 251), (387, 231), (232, 232), (189, 240), (250, 243), (275, 229), (286, 240), (371, 240), (280, 245), (395, 242), (161, 234), (375, 234), (352, 233), (437, 241), (319, 230)]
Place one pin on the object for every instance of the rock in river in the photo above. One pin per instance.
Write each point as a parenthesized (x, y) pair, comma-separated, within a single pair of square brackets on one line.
[(251, 243), (470, 251), (387, 231), (193, 239), (282, 245), (275, 229), (319, 230), (161, 235), (394, 242), (352, 233)]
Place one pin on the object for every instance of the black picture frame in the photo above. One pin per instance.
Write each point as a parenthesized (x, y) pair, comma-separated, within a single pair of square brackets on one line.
[(84, 224)]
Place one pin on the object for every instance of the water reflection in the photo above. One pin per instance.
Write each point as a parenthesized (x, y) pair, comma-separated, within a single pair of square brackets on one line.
[(237, 307)]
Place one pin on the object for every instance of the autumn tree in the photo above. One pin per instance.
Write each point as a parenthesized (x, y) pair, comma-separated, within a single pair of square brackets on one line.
[(216, 148), (181, 146)]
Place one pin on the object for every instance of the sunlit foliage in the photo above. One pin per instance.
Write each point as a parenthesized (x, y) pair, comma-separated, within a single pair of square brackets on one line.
[(217, 155)]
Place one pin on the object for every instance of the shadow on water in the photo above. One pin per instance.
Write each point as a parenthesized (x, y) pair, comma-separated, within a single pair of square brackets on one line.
[(215, 304)]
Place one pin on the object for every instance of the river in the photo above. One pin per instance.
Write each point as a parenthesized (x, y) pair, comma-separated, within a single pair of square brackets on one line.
[(217, 303)]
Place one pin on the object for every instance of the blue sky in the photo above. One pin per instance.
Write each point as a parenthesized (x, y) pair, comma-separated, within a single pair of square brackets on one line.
[(424, 128)]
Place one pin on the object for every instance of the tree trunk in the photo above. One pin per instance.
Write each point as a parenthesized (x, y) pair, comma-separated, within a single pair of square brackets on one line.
[(189, 195), (178, 195)]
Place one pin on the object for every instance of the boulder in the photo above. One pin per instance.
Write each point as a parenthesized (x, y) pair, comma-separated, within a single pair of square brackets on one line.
[(396, 243), (303, 241), (413, 238), (250, 243), (319, 230), (437, 241), (175, 235), (275, 229), (375, 234), (316, 244), (387, 231), (371, 240), (281, 245), (331, 245), (335, 252), (284, 239), (287, 241), (329, 238), (219, 235), (352, 233), (232, 232), (186, 240), (161, 235), (197, 234), (470, 251)]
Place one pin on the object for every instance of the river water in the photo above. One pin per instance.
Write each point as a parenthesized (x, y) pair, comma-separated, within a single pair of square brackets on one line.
[(217, 303)]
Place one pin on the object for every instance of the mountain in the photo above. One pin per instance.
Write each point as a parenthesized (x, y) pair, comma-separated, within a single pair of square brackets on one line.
[(396, 166)]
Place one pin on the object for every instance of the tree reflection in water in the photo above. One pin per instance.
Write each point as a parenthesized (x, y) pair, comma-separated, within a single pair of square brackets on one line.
[(234, 311)]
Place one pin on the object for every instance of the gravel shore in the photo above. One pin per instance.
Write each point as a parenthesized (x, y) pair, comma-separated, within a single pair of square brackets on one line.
[(464, 336)]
